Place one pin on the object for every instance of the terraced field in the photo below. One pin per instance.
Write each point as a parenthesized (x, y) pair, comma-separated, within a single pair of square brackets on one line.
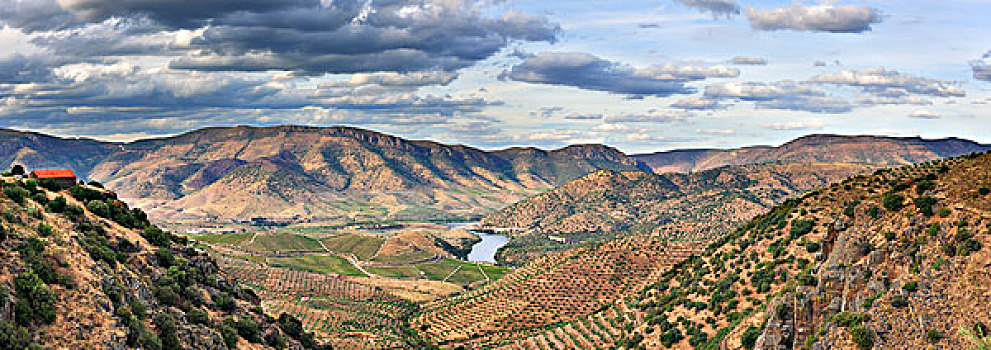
[(554, 289)]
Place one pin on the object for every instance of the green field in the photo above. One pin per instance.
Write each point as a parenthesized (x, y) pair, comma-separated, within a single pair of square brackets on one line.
[(317, 264), (225, 238), (440, 270), (396, 272), (284, 243), (405, 257), (363, 247)]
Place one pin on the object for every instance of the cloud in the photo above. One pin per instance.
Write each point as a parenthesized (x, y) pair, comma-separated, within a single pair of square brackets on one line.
[(816, 18), (893, 100), (588, 72), (807, 125), (749, 61), (924, 114), (583, 116), (716, 7), (653, 117), (787, 94), (393, 79), (883, 78), (547, 112), (716, 131), (982, 67), (696, 103), (306, 36)]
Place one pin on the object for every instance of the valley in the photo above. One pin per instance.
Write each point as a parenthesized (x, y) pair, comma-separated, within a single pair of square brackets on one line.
[(590, 250)]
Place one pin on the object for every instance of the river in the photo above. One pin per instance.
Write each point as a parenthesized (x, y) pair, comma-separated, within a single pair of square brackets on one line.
[(485, 250)]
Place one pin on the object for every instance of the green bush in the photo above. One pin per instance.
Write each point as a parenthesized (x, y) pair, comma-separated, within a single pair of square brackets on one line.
[(911, 287), (899, 301), (923, 186), (750, 336), (16, 193), (35, 301), (925, 205), (291, 325), (984, 191), (14, 337), (874, 211), (199, 316), (892, 201), (156, 236), (800, 228), (863, 337), (934, 336), (248, 330), (165, 324), (45, 230)]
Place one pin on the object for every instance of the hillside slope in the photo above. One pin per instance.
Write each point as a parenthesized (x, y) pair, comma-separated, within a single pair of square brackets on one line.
[(875, 150), (897, 259), (80, 270), (696, 206)]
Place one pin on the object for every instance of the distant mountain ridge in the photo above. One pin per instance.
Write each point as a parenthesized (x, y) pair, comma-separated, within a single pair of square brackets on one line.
[(318, 172), (347, 172), (821, 148)]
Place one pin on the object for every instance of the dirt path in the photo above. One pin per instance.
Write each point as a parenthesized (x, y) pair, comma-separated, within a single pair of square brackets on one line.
[(351, 258)]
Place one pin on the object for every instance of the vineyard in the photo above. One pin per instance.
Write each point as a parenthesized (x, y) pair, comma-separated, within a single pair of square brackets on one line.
[(556, 288)]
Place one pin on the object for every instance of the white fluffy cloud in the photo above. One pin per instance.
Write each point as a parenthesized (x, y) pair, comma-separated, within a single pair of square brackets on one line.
[(817, 18)]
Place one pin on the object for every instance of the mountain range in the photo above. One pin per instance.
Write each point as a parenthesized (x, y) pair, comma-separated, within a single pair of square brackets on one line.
[(352, 174)]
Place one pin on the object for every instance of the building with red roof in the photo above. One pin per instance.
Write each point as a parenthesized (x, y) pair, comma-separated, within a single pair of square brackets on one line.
[(65, 178)]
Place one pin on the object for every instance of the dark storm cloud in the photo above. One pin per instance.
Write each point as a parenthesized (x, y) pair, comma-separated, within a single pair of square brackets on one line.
[(588, 72), (815, 18), (716, 7), (308, 36)]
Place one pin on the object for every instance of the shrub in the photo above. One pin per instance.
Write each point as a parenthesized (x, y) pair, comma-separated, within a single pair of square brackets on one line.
[(800, 228), (15, 193), (156, 236), (925, 205), (45, 230), (291, 325), (57, 205), (934, 336), (36, 302), (892, 201), (99, 208), (15, 337), (165, 257), (165, 324), (248, 330), (228, 332), (899, 301), (863, 337), (911, 287), (984, 191), (812, 247), (874, 211), (847, 319), (750, 336), (923, 186)]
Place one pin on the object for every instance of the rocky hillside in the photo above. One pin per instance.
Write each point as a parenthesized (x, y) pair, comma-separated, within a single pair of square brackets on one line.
[(81, 270), (337, 172), (897, 259), (816, 148), (696, 206)]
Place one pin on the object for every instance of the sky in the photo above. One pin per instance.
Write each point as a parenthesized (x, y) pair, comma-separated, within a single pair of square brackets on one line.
[(641, 76)]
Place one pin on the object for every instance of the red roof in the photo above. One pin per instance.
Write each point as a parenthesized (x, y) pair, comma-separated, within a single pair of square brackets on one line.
[(53, 174)]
